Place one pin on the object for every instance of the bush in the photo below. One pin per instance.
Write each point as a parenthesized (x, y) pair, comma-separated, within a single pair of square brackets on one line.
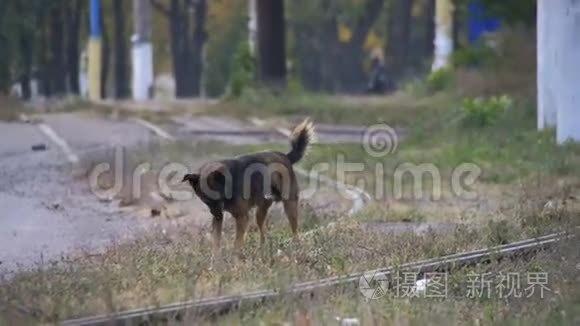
[(475, 56), (244, 70), (480, 112), (439, 80)]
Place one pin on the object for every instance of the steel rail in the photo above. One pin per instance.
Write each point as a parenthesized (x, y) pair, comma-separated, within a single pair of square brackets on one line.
[(223, 304)]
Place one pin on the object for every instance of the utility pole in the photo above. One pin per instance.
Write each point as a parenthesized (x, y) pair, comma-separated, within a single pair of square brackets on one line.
[(142, 51), (546, 53), (94, 64), (443, 34), (558, 69)]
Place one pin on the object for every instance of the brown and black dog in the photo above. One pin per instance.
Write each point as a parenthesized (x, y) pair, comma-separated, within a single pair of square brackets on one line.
[(253, 180)]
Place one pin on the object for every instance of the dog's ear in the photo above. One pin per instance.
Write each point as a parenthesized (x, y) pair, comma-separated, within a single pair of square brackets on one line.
[(192, 178)]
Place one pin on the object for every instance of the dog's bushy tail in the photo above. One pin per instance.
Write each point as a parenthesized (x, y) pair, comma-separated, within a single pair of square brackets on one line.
[(300, 139)]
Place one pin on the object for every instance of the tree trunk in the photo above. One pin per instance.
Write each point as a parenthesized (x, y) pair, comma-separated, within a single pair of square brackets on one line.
[(175, 31), (271, 42), (399, 37), (73, 23), (199, 38), (26, 54), (405, 34), (174, 35), (121, 71), (329, 48), (186, 56), (429, 28), (187, 44), (43, 57), (180, 48), (57, 41), (106, 51), (457, 28)]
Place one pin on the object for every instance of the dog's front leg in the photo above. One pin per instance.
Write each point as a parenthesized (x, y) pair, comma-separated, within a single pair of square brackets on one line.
[(218, 219)]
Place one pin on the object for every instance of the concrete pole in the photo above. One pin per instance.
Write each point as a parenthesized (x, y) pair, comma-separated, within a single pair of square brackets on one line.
[(563, 21), (443, 34), (142, 51), (546, 58), (95, 45)]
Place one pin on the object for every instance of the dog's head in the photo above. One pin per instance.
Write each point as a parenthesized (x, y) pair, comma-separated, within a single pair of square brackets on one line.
[(192, 178)]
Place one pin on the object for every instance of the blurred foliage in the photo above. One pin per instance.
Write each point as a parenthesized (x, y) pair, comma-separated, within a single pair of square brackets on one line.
[(480, 112), (28, 21), (227, 28), (18, 19), (319, 32), (243, 70), (475, 56), (329, 45), (511, 12)]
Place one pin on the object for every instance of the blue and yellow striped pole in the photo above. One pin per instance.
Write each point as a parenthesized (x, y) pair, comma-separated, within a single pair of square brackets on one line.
[(95, 51)]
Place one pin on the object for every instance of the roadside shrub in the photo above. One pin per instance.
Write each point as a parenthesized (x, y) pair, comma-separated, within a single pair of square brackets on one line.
[(481, 112), (439, 80)]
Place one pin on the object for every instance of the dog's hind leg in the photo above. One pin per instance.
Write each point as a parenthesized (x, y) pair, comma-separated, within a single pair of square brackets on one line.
[(291, 210), (217, 231), (261, 214), (241, 227)]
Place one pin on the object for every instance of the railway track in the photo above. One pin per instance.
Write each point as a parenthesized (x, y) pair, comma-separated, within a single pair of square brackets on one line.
[(180, 311)]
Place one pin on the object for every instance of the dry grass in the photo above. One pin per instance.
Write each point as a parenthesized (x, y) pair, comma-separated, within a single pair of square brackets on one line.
[(400, 110), (152, 271), (558, 306), (159, 269), (10, 108)]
